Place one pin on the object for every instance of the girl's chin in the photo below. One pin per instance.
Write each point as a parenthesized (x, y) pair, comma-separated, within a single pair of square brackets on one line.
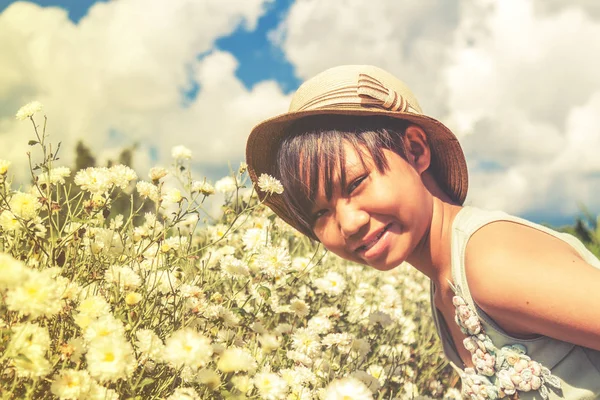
[(387, 266)]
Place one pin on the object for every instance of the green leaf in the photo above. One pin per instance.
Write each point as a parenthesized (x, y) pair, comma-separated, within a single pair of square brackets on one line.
[(146, 382), (264, 292), (32, 142)]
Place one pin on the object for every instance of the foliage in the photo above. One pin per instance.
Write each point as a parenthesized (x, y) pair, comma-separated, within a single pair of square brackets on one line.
[(157, 304), (587, 229)]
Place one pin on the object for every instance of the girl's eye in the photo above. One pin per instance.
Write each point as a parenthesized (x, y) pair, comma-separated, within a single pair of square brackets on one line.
[(319, 214), (356, 183)]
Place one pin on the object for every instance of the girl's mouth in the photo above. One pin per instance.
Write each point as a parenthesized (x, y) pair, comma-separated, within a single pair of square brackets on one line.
[(363, 248)]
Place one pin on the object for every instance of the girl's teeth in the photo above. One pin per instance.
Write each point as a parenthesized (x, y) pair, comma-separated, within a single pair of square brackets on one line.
[(370, 244)]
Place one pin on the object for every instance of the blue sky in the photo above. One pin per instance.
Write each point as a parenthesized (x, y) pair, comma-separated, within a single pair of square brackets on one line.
[(516, 80)]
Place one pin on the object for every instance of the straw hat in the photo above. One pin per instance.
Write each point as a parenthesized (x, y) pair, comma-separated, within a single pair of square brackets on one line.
[(356, 90)]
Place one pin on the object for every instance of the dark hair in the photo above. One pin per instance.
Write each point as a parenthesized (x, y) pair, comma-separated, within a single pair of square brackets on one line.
[(312, 151)]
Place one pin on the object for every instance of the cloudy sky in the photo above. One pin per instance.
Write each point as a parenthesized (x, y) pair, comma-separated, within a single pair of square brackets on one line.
[(517, 80)]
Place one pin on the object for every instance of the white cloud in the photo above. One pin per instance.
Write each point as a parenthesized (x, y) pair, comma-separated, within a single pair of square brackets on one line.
[(515, 80), (521, 94), (407, 38), (116, 77)]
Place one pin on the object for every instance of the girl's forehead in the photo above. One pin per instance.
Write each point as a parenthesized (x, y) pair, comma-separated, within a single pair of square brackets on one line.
[(331, 168)]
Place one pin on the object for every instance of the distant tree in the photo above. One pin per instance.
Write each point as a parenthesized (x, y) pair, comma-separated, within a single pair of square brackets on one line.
[(587, 229), (83, 157)]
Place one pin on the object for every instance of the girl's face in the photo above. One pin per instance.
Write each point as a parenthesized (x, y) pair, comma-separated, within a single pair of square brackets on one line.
[(379, 218)]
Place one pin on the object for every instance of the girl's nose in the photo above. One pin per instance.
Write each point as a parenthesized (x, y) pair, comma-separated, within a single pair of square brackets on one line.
[(351, 220)]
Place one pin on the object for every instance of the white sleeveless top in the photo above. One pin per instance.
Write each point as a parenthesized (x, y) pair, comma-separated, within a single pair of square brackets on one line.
[(539, 368)]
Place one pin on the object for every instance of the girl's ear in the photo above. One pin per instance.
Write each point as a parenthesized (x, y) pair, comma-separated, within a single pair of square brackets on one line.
[(417, 148)]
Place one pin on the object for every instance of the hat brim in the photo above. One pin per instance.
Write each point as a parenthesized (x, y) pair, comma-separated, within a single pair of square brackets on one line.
[(448, 163)]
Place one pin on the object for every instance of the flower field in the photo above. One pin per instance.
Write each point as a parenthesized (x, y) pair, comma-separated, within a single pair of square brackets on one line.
[(158, 300)]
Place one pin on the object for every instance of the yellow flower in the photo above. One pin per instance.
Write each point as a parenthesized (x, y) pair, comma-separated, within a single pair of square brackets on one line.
[(132, 298), (4, 164)]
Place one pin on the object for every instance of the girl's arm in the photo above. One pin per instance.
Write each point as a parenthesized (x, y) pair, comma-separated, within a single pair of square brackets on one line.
[(532, 283)]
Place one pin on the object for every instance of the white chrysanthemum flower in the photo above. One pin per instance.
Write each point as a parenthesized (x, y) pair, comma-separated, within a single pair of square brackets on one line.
[(298, 376), (235, 359), (204, 188), (149, 344), (71, 384), (378, 372), (283, 328), (319, 324), (270, 385), (76, 347), (173, 243), (98, 392), (123, 276), (410, 390), (347, 389), (28, 110), (110, 358), (306, 341), (300, 263), (369, 380), (117, 222), (56, 175), (381, 318), (269, 342), (157, 173), (182, 393), (69, 290), (27, 349), (255, 238), (163, 281), (90, 309), (12, 272), (39, 295), (172, 195), (332, 284), (121, 175), (104, 326), (226, 185), (299, 307), (96, 180), (300, 357), (9, 222), (242, 383), (181, 153), (209, 378), (273, 261), (453, 394), (187, 290), (4, 165), (187, 347), (228, 318), (24, 205), (269, 184), (337, 339), (147, 189), (231, 266)]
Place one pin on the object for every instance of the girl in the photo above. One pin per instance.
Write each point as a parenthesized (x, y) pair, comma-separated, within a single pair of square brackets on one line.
[(516, 305)]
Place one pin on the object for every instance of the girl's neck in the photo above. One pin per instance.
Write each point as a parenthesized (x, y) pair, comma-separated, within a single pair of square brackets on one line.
[(433, 255)]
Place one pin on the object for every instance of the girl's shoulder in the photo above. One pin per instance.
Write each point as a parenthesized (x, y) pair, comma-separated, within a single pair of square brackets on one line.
[(526, 302), (530, 279)]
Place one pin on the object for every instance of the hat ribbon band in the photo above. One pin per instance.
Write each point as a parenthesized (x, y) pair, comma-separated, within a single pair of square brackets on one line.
[(368, 92)]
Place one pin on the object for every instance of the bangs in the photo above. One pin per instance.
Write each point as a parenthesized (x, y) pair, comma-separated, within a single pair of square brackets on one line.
[(311, 156)]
